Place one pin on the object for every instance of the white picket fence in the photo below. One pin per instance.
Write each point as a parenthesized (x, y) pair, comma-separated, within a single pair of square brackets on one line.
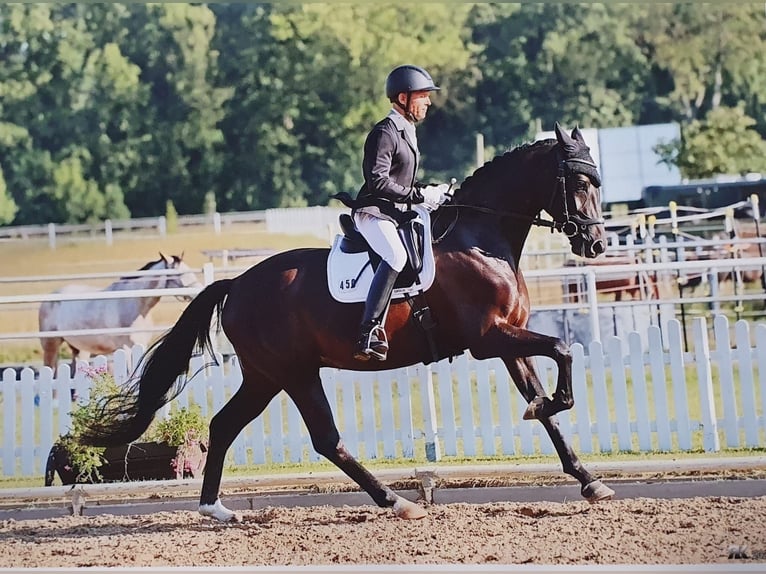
[(648, 398)]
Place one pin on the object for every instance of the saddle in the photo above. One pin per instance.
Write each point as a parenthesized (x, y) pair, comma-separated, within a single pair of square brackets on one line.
[(352, 264)]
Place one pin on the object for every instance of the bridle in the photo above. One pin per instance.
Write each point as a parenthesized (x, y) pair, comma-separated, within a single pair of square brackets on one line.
[(569, 225), (576, 223)]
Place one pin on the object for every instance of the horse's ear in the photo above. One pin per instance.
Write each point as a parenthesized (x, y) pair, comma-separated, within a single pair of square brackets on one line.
[(162, 256), (563, 138), (577, 135)]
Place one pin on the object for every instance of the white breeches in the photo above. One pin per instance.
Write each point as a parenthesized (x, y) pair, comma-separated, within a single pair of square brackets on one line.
[(382, 236)]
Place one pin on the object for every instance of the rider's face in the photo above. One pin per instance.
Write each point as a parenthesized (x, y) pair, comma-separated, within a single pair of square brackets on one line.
[(419, 102)]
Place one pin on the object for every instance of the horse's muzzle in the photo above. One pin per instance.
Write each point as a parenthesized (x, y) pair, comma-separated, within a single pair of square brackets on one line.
[(595, 248), (586, 247)]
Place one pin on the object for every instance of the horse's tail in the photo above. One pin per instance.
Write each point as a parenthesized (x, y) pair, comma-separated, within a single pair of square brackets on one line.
[(122, 418)]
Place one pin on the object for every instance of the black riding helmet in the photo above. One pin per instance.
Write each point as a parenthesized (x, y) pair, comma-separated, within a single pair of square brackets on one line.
[(407, 79)]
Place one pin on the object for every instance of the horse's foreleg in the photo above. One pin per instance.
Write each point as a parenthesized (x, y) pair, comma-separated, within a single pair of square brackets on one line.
[(309, 397), (524, 375), (511, 343), (51, 346), (252, 397)]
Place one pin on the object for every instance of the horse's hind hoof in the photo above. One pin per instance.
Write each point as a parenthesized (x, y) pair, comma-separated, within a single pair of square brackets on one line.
[(403, 508), (597, 491)]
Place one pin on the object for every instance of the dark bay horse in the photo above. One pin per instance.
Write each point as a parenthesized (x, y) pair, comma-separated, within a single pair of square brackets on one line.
[(284, 324)]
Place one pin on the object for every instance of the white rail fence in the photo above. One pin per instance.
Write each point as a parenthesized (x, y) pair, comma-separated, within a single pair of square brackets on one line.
[(319, 221), (589, 306), (652, 397)]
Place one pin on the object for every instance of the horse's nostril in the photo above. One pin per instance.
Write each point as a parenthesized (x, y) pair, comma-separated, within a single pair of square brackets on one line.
[(598, 247)]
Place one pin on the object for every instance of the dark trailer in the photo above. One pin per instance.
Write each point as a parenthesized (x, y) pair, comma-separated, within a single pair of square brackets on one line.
[(705, 194)]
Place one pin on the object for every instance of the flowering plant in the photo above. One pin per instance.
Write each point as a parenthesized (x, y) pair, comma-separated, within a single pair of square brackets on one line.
[(187, 429), (86, 460)]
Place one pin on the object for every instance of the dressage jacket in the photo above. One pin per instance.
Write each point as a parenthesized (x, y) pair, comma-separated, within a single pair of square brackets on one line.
[(389, 166)]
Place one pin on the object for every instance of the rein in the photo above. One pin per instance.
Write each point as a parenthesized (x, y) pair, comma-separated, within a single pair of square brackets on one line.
[(570, 226)]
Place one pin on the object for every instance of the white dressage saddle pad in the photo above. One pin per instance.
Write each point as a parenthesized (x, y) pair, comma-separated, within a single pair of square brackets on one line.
[(349, 274)]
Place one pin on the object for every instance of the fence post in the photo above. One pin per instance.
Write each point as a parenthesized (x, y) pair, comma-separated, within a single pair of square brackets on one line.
[(710, 439), (8, 393), (162, 226), (108, 231), (208, 273), (595, 327), (217, 223), (52, 235), (430, 430)]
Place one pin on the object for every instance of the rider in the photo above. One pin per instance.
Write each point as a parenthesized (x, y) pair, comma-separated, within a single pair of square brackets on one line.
[(390, 164)]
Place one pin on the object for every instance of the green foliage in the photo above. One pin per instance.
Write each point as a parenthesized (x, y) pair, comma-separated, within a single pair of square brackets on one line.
[(114, 109), (87, 459), (184, 425), (185, 428), (712, 53), (210, 204), (8, 207), (171, 216), (725, 141)]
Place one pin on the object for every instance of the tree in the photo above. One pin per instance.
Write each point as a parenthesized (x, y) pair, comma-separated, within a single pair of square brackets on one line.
[(712, 53), (8, 207), (572, 63), (724, 142), (177, 125), (65, 97), (310, 86)]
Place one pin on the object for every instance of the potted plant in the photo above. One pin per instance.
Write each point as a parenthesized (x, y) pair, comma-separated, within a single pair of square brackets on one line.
[(173, 447)]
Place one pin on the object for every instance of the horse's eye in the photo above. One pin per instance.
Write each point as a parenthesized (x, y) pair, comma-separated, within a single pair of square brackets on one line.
[(582, 185)]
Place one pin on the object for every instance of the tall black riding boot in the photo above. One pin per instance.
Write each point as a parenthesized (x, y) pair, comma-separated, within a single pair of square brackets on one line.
[(372, 337)]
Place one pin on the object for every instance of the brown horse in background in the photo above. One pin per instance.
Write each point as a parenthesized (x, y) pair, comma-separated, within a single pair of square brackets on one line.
[(639, 285), (284, 324)]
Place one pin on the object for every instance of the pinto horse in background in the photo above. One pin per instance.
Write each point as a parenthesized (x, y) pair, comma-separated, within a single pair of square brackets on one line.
[(284, 325), (70, 315)]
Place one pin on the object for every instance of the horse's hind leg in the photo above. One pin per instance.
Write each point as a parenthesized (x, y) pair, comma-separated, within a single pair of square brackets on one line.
[(524, 375), (252, 397), (309, 396)]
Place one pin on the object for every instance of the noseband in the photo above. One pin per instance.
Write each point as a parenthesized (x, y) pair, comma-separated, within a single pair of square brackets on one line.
[(576, 223)]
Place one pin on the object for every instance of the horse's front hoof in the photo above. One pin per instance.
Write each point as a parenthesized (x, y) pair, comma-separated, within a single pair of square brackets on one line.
[(597, 491), (403, 508), (218, 511)]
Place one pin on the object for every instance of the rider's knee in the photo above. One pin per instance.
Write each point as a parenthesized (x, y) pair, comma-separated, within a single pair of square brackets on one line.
[(397, 259)]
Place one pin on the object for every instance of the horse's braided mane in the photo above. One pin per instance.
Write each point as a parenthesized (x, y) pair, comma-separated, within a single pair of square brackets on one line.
[(482, 174)]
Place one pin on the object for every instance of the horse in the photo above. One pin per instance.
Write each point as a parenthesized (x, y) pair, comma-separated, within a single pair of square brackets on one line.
[(109, 313), (284, 324)]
